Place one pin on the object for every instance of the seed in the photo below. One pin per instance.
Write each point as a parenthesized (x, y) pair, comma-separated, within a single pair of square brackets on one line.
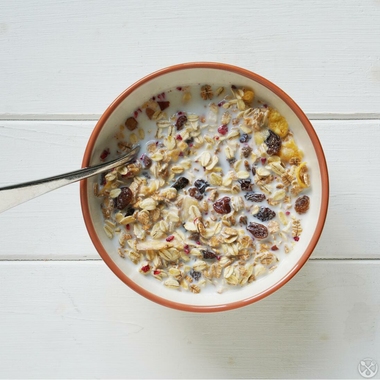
[(131, 123)]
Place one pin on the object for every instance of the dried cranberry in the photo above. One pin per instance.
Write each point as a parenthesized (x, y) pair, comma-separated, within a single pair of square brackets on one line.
[(208, 255), (156, 272), (259, 231), (195, 275), (179, 137), (186, 249), (181, 122), (265, 214), (296, 238), (302, 204), (274, 248), (146, 160), (255, 197), (201, 185), (244, 138), (223, 129), (180, 183), (245, 184), (195, 193), (273, 143), (145, 268), (163, 105), (124, 198), (105, 154), (170, 238), (246, 151), (222, 206)]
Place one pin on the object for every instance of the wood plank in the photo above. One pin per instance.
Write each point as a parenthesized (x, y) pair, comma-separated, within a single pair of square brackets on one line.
[(51, 227), (77, 320), (75, 58)]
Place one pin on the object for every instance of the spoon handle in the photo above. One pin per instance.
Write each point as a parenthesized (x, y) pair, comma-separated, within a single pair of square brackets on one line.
[(11, 196)]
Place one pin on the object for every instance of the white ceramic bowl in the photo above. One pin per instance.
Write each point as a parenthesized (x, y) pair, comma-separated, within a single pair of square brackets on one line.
[(213, 74)]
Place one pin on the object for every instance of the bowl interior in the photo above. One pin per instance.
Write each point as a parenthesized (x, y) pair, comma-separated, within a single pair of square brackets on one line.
[(213, 74)]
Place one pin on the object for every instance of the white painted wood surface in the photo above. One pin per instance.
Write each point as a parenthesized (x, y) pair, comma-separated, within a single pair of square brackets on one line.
[(63, 314)]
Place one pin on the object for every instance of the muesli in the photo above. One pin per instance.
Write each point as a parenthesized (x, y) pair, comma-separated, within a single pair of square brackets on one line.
[(217, 193)]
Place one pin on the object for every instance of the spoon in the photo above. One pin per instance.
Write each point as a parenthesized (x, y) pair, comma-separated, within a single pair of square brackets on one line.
[(11, 196)]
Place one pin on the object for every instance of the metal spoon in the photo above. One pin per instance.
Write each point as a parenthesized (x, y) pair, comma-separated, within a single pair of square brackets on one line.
[(11, 196)]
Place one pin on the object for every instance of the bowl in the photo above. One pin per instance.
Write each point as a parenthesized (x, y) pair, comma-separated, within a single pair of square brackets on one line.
[(140, 277)]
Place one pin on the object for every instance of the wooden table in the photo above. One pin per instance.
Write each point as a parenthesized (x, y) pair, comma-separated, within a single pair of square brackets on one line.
[(63, 314)]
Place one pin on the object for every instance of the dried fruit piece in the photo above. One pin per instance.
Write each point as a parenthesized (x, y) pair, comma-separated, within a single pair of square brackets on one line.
[(124, 198), (302, 204), (195, 193), (195, 274), (277, 123), (180, 183), (104, 154), (222, 206), (289, 150), (180, 122), (201, 185), (131, 123), (255, 197), (223, 129), (209, 255), (273, 143), (149, 112), (248, 96), (146, 161), (302, 175), (246, 151), (244, 138), (259, 231), (163, 105), (265, 214), (245, 184)]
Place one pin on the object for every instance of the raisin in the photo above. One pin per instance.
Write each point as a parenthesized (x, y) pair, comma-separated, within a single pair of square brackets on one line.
[(131, 123), (273, 143), (201, 185), (163, 105), (129, 211), (190, 140), (124, 198), (245, 184), (265, 214), (180, 183), (195, 193), (147, 162), (255, 197), (208, 255), (246, 151), (222, 206), (195, 275), (302, 204), (243, 220), (181, 122), (244, 138), (259, 231)]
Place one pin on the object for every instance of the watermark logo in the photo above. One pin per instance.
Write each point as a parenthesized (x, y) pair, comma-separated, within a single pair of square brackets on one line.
[(368, 368)]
